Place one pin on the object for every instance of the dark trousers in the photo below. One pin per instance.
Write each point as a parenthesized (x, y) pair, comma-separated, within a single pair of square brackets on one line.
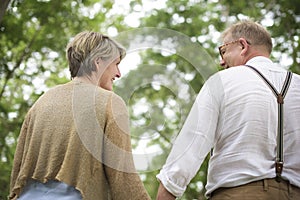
[(267, 189)]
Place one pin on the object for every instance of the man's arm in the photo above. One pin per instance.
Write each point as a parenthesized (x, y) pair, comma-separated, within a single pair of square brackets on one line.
[(195, 140), (164, 194)]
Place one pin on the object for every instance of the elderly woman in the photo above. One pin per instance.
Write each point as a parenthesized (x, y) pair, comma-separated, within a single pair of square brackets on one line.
[(75, 141)]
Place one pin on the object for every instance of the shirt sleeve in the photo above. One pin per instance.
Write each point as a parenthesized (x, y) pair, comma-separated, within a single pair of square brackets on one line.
[(194, 141), (123, 179)]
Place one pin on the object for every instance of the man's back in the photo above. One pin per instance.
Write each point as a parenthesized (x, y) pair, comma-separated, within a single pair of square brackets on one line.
[(246, 134)]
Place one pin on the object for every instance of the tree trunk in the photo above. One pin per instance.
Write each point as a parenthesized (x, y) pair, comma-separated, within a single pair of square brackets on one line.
[(3, 7)]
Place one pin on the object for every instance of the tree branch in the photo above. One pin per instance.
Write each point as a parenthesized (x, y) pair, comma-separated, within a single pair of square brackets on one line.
[(25, 53)]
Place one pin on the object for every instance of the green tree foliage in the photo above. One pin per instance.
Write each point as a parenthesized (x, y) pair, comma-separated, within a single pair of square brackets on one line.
[(159, 92)]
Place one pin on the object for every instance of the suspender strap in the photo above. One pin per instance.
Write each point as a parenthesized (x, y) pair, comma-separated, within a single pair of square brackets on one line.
[(280, 97)]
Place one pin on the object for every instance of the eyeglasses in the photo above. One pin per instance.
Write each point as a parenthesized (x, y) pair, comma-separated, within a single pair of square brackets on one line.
[(221, 48)]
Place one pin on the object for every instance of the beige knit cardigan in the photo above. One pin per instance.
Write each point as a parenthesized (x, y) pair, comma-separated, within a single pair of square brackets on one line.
[(78, 134)]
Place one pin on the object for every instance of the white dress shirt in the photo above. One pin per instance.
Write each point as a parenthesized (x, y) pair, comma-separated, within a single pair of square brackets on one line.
[(236, 114)]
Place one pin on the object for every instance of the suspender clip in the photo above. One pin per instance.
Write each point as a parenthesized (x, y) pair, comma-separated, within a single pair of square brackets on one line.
[(280, 99), (278, 170)]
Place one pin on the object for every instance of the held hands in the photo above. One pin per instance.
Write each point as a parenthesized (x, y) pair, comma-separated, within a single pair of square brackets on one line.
[(163, 194)]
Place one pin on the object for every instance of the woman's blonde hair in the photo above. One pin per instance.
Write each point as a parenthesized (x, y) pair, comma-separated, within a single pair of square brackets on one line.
[(253, 32), (87, 47)]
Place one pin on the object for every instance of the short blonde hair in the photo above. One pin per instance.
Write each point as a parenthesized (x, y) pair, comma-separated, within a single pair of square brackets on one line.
[(253, 32), (87, 47)]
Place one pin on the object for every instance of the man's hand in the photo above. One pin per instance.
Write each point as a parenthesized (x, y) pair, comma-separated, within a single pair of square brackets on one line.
[(164, 194)]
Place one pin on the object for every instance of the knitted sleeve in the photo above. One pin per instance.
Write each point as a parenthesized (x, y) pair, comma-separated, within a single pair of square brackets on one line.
[(18, 157), (123, 179)]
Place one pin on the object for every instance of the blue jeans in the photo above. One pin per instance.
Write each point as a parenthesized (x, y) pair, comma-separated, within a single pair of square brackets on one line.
[(49, 191)]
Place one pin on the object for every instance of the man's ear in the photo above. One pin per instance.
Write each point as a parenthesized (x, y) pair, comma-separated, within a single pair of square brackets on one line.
[(244, 46), (243, 42)]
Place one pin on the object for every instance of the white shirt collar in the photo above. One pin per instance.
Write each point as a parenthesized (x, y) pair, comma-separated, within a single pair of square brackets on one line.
[(259, 59), (264, 62)]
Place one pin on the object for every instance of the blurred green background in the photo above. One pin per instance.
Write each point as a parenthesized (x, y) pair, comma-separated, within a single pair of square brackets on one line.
[(158, 86)]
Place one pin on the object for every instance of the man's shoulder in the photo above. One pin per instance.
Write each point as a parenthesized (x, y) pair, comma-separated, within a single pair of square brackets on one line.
[(230, 72)]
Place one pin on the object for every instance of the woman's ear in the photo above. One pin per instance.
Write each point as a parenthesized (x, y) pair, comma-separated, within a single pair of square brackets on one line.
[(97, 65), (97, 61)]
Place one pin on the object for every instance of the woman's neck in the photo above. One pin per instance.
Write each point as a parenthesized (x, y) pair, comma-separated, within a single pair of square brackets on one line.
[(86, 79)]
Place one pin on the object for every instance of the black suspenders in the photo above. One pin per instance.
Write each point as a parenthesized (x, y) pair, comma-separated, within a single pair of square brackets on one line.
[(280, 97)]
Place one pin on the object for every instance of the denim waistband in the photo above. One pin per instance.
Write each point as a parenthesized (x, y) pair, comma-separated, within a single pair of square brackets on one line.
[(50, 190)]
